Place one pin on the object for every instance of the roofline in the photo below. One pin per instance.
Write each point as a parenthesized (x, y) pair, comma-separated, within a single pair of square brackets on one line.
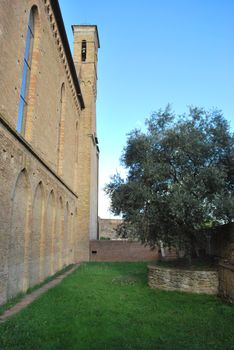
[(59, 19), (88, 25)]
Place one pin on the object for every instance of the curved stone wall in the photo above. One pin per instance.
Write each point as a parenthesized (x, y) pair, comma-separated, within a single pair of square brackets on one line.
[(183, 280)]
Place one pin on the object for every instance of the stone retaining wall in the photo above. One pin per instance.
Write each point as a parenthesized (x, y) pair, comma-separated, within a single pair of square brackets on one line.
[(183, 280)]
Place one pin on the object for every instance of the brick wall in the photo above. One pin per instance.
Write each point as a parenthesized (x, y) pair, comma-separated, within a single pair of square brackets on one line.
[(121, 251), (44, 222), (88, 151), (51, 72)]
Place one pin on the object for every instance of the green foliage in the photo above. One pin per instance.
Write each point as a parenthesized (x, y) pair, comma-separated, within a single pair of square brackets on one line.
[(108, 306), (180, 177)]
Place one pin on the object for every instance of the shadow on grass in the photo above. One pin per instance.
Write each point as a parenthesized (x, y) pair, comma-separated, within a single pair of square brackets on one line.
[(13, 301), (108, 306)]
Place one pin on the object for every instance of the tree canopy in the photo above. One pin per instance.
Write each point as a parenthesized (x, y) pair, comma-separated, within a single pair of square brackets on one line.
[(180, 177)]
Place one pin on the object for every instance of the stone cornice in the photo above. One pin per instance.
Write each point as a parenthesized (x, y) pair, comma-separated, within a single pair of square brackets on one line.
[(54, 16)]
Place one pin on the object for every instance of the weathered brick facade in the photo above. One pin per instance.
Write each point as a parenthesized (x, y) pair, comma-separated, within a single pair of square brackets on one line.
[(49, 169), (88, 150)]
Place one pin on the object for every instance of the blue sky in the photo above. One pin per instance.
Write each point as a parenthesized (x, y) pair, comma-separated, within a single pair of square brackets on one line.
[(155, 52)]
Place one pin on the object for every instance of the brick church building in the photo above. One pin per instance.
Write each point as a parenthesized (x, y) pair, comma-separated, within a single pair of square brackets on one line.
[(48, 144)]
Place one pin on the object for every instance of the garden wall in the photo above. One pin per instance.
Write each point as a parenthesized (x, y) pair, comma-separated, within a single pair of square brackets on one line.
[(183, 280), (222, 241), (218, 241), (226, 281), (121, 251)]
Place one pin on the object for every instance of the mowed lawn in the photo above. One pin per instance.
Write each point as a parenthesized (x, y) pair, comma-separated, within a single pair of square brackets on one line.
[(109, 306)]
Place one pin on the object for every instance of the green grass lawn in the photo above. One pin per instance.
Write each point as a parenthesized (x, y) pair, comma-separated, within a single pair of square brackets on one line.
[(109, 306), (20, 296)]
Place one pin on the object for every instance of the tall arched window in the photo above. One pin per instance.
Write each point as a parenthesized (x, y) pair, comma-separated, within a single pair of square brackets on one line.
[(61, 132), (76, 156), (27, 68)]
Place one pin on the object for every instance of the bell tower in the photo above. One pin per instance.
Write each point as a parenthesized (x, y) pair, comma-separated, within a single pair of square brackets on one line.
[(86, 44)]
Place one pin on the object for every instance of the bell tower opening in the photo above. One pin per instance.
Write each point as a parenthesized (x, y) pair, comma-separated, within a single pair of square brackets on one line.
[(83, 50)]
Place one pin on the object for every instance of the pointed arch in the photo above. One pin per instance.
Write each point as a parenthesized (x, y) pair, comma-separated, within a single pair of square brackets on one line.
[(71, 237), (66, 233), (36, 239), (18, 235), (60, 153), (49, 235), (59, 235), (29, 75), (76, 152), (75, 233)]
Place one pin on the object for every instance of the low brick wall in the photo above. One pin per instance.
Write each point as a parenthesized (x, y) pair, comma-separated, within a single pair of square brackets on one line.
[(121, 251), (226, 282), (183, 280)]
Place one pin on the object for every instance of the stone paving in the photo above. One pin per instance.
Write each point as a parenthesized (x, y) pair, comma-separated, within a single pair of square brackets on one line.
[(29, 298)]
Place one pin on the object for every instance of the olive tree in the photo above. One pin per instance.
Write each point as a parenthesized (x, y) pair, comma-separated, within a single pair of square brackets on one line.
[(180, 177)]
